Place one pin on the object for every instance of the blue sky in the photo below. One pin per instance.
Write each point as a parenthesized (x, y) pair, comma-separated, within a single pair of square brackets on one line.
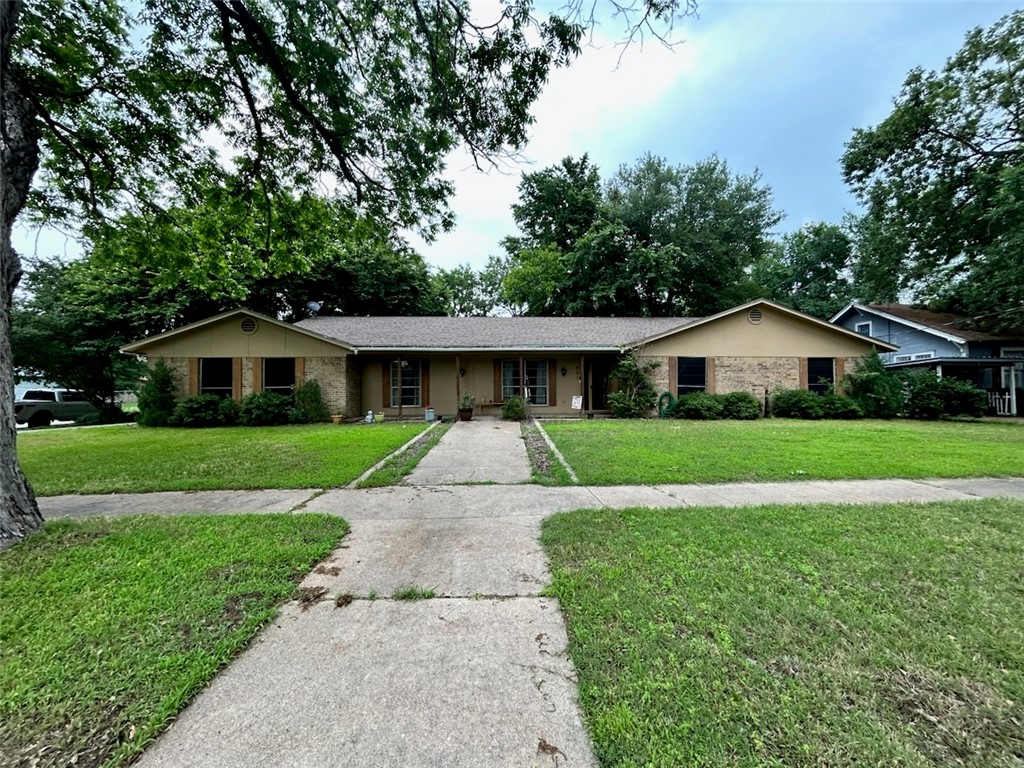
[(773, 86)]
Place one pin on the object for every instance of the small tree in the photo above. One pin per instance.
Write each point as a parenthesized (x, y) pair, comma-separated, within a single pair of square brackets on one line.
[(309, 403), (635, 396), (157, 398), (877, 391)]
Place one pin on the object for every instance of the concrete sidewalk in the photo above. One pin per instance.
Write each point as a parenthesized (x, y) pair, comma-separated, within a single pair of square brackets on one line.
[(484, 450), (479, 675)]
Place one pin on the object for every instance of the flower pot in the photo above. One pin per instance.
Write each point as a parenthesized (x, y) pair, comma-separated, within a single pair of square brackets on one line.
[(465, 414), (337, 419)]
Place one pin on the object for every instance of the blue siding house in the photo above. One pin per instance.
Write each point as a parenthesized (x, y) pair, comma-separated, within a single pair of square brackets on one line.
[(946, 343)]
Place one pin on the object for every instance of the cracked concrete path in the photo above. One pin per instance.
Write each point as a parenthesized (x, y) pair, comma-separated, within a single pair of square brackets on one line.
[(484, 450)]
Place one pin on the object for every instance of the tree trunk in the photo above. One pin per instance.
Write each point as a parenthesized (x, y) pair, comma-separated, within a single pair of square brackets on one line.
[(19, 158)]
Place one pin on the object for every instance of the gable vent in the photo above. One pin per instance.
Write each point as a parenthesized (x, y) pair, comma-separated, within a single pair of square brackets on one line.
[(755, 316), (248, 326)]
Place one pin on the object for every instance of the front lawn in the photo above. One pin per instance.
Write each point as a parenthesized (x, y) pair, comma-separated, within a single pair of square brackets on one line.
[(135, 460), (672, 451), (797, 635), (109, 627)]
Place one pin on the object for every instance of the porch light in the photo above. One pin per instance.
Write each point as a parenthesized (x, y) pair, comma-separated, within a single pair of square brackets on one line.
[(462, 372), (564, 371)]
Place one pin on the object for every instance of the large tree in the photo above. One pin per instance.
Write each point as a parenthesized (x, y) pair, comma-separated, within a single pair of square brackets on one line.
[(114, 108), (941, 175)]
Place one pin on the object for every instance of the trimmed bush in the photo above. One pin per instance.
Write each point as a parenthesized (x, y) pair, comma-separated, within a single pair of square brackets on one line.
[(699, 406), (157, 398), (198, 411), (797, 404), (514, 408), (740, 405), (266, 409), (228, 412), (309, 403), (838, 407)]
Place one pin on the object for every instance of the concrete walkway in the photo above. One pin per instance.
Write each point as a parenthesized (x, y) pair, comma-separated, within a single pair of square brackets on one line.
[(477, 676), (484, 450)]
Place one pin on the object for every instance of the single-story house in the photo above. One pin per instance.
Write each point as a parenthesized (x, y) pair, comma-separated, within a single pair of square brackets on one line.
[(402, 365), (948, 344)]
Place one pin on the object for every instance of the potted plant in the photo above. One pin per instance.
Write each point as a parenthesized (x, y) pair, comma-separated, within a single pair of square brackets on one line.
[(466, 404)]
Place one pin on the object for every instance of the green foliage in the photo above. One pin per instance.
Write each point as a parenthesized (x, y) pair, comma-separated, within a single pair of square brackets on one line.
[(266, 409), (838, 407), (808, 270), (796, 635), (701, 406), (943, 175), (514, 408), (876, 390), (797, 404), (467, 401), (157, 398), (740, 405), (930, 397), (962, 398), (653, 451), (161, 602), (398, 466), (412, 593), (658, 241), (462, 292), (634, 396), (198, 411), (309, 403)]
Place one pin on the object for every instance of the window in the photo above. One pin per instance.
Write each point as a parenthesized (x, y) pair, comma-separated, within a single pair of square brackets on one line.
[(924, 355), (72, 397), (534, 388), (406, 383), (279, 375), (40, 394), (692, 375), (902, 359), (864, 328), (821, 374), (216, 376)]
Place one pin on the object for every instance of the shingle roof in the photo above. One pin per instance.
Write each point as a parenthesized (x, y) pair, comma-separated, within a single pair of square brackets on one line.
[(947, 322), (512, 333)]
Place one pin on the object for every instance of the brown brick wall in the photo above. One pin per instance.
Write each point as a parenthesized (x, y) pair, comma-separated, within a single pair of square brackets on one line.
[(756, 374), (178, 367), (661, 377), (333, 376)]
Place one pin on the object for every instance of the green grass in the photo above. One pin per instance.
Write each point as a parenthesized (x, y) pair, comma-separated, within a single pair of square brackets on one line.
[(649, 452), (412, 593), (108, 627), (135, 460), (797, 636), (397, 467), (545, 468)]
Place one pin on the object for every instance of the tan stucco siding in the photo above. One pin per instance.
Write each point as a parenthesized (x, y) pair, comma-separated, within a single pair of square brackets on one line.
[(225, 339), (777, 335)]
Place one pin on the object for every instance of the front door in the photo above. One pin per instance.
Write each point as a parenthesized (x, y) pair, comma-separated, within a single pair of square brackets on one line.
[(595, 389)]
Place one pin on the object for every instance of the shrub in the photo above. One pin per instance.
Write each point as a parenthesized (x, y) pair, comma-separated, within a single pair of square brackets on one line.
[(514, 408), (740, 405), (266, 409), (309, 403), (197, 411), (797, 404), (929, 397), (698, 405), (837, 407), (961, 398), (877, 391), (157, 397), (228, 412), (635, 396)]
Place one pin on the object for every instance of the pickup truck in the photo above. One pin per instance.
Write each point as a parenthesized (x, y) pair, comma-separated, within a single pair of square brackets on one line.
[(39, 407)]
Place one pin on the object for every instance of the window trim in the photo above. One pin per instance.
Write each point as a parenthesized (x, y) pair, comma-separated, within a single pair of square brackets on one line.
[(924, 355), (685, 389), (227, 392), (520, 379), (814, 385), (857, 328), (290, 389)]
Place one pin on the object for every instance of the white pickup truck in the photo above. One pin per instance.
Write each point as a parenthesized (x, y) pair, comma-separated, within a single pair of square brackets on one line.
[(39, 407)]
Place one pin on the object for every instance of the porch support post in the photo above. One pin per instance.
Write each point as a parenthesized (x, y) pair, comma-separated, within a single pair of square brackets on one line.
[(938, 370), (458, 380), (400, 377), (1013, 390)]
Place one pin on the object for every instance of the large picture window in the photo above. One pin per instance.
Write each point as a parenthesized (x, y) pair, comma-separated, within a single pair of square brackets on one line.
[(529, 380), (692, 375), (406, 383), (279, 375), (216, 376), (821, 374)]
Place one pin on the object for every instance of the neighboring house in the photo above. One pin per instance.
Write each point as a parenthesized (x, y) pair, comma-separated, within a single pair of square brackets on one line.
[(947, 344), (400, 365)]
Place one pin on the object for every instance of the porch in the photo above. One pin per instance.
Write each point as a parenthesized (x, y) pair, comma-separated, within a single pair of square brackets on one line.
[(1002, 378)]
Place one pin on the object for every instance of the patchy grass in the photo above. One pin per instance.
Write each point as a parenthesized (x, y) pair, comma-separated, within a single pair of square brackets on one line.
[(412, 593), (397, 467), (109, 627), (545, 467), (615, 452), (135, 460), (797, 636)]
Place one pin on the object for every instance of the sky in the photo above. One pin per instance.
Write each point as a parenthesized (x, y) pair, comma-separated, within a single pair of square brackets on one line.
[(776, 87)]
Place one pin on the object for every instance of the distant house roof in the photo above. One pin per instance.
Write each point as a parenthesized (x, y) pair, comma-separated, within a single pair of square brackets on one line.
[(946, 324), (486, 333)]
